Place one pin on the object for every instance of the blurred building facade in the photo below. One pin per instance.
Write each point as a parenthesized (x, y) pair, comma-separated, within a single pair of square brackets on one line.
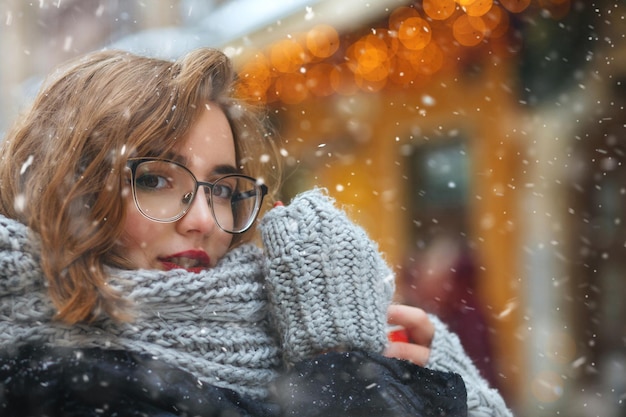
[(499, 124)]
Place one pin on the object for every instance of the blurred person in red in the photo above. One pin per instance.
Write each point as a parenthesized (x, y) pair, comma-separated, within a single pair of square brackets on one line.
[(442, 280)]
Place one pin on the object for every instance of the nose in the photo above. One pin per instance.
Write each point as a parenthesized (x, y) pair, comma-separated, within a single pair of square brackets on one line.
[(199, 217)]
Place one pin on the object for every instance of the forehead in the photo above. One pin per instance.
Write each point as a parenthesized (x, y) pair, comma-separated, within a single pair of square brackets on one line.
[(209, 129), (209, 140)]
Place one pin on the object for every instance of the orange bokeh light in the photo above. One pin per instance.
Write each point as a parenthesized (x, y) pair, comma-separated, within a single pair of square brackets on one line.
[(439, 9), (418, 42), (287, 55), (430, 61), (322, 41), (291, 88), (401, 71), (496, 22), (369, 58), (390, 38), (368, 85), (255, 77), (479, 8), (318, 79), (468, 31), (401, 14), (414, 33)]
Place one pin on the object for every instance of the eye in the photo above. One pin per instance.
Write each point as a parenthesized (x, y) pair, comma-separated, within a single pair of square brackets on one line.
[(223, 190), (149, 181)]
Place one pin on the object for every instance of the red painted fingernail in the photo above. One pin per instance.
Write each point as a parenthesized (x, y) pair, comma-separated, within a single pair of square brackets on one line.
[(278, 204), (397, 334)]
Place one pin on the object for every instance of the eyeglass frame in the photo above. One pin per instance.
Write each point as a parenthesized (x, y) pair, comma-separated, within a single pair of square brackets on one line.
[(133, 163)]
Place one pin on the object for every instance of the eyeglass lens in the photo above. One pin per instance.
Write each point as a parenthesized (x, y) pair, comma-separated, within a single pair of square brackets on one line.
[(165, 190)]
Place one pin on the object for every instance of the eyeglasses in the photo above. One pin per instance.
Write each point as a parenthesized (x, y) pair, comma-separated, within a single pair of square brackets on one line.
[(164, 190)]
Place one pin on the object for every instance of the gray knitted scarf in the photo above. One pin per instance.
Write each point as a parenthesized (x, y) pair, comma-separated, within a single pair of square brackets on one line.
[(321, 285), (213, 324)]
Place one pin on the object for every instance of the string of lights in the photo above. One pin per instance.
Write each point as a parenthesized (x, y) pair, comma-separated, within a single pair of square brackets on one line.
[(414, 43)]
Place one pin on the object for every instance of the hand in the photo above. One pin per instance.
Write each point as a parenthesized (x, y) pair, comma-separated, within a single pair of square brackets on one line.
[(420, 331)]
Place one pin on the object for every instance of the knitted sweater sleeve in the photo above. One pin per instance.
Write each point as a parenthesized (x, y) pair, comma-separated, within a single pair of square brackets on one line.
[(447, 354), (329, 289), (328, 286)]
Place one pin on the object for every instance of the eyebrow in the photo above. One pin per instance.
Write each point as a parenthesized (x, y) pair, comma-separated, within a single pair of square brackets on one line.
[(225, 169), (219, 169)]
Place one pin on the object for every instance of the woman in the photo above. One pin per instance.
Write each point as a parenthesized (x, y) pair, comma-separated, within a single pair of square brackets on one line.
[(131, 285)]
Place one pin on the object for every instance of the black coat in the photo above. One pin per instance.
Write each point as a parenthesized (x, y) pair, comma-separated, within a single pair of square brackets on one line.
[(37, 382)]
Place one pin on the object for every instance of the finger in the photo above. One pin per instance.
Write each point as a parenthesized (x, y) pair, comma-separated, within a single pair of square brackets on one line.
[(407, 351), (414, 320)]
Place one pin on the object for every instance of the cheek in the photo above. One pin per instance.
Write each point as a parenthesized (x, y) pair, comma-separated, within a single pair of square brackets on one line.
[(221, 247), (138, 234)]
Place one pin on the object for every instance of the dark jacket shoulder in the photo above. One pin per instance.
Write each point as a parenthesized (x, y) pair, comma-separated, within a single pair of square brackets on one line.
[(358, 384), (37, 381), (44, 381)]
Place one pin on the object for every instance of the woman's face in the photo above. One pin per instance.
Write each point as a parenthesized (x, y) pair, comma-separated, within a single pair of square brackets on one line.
[(195, 241)]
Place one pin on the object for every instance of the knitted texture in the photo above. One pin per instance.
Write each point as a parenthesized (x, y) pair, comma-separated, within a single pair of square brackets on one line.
[(448, 355), (329, 287), (213, 324)]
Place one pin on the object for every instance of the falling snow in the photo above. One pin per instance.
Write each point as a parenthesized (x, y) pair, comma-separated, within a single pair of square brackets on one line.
[(508, 134)]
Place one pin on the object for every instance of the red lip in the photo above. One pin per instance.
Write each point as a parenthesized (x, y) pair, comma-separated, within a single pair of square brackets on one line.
[(193, 260)]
